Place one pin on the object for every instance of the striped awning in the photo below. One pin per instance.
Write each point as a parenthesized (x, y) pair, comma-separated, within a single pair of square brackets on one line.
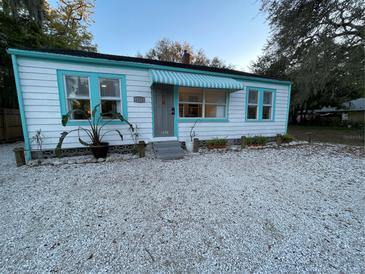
[(194, 80)]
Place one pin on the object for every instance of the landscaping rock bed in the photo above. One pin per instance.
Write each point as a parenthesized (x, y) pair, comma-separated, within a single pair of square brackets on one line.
[(116, 157), (86, 159), (277, 210), (237, 148)]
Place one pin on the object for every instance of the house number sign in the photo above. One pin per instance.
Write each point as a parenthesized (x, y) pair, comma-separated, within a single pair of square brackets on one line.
[(139, 99)]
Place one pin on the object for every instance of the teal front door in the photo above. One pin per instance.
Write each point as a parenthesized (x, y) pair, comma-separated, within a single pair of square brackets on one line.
[(164, 111)]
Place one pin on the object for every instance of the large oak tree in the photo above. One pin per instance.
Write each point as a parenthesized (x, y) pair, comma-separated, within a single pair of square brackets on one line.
[(33, 23), (319, 45)]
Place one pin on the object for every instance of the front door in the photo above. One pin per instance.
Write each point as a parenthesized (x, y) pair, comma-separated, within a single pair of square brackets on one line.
[(164, 111)]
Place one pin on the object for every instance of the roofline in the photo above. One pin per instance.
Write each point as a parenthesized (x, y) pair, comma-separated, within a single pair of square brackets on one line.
[(101, 61)]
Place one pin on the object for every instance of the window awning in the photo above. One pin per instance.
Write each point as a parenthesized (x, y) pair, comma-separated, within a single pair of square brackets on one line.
[(196, 80)]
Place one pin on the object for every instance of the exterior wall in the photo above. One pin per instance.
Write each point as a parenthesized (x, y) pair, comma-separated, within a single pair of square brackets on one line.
[(356, 117), (236, 125), (38, 83), (38, 80)]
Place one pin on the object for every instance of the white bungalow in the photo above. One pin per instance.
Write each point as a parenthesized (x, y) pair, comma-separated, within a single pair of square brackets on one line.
[(163, 99)]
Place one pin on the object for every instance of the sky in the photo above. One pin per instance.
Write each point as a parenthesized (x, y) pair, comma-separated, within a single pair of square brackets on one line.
[(233, 30)]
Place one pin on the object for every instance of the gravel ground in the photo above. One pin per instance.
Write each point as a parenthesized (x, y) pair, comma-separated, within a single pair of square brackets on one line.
[(297, 209)]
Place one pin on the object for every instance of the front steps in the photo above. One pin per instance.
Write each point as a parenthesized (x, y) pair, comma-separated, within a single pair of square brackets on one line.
[(168, 150)]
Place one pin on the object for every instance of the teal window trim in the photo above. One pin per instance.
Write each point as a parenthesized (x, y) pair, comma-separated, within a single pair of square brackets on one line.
[(123, 93), (260, 104), (203, 120), (27, 148), (94, 94), (200, 119), (176, 116)]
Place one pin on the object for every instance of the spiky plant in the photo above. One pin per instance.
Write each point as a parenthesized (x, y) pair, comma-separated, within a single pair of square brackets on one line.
[(96, 124)]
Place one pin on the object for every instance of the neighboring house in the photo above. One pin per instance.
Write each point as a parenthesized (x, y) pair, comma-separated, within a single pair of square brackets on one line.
[(352, 112), (163, 99)]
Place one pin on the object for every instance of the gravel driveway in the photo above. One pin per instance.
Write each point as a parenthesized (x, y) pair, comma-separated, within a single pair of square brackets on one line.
[(298, 209)]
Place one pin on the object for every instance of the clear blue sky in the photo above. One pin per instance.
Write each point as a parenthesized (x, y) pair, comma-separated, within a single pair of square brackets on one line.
[(233, 30)]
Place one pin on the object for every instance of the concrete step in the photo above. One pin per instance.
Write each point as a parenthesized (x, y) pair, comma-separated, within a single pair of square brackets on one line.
[(166, 144), (171, 157), (169, 150)]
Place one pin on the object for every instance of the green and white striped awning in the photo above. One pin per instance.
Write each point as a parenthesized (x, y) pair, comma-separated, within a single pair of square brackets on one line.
[(196, 80)]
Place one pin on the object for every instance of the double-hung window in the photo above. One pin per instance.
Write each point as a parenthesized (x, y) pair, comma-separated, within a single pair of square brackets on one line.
[(202, 103), (110, 96), (86, 91), (78, 96), (253, 104), (260, 104), (267, 105)]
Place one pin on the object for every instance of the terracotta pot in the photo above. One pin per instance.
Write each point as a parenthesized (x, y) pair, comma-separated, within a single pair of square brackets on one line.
[(256, 146), (216, 146), (100, 151)]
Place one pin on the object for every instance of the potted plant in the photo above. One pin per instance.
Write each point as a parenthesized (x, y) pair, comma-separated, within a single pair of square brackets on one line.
[(217, 143), (94, 132), (189, 144)]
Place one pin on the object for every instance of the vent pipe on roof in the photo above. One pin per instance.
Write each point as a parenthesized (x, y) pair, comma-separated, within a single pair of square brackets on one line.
[(186, 58)]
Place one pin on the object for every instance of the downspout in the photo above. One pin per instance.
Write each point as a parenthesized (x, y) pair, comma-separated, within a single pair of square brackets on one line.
[(21, 109)]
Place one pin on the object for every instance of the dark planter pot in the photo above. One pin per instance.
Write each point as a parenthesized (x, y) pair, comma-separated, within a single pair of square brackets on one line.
[(100, 151)]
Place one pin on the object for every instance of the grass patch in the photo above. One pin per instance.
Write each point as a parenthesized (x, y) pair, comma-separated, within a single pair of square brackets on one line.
[(334, 135), (217, 143), (256, 141), (284, 139)]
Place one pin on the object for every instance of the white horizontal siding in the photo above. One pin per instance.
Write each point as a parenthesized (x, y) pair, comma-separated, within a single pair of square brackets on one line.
[(236, 125), (38, 79), (47, 67)]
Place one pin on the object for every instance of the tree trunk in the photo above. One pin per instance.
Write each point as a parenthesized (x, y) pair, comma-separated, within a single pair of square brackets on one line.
[(294, 114)]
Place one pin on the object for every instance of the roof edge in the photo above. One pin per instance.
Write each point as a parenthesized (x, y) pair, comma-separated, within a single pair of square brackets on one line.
[(103, 61)]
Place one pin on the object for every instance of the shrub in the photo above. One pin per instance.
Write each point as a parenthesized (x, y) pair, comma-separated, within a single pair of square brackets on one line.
[(256, 141), (217, 141), (286, 138)]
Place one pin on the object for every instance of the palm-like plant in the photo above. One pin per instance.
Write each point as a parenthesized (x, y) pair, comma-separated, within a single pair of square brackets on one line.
[(96, 124)]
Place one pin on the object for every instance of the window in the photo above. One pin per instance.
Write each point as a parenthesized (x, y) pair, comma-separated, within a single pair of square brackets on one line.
[(215, 104), (110, 96), (253, 101), (203, 103), (190, 102), (87, 90), (260, 104), (267, 106), (78, 96)]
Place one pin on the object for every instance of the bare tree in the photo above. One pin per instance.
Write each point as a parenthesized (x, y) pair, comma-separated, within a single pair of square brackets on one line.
[(173, 51)]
